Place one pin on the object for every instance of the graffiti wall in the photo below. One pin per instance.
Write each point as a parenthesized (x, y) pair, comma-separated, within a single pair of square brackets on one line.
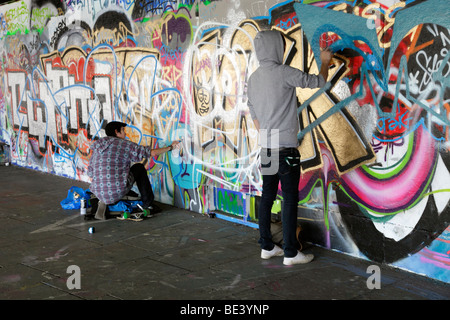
[(374, 142)]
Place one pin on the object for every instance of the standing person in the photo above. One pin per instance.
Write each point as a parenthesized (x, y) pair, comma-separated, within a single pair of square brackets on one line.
[(111, 169), (272, 102)]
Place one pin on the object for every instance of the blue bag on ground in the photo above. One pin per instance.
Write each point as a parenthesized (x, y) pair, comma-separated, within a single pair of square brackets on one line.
[(123, 206), (74, 195)]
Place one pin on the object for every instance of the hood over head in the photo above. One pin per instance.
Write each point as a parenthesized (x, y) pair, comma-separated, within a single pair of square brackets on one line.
[(269, 47)]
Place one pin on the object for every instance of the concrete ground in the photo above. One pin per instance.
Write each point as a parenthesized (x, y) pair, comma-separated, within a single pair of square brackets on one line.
[(47, 253)]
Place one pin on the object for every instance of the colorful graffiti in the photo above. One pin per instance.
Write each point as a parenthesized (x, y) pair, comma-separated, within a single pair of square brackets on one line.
[(374, 142)]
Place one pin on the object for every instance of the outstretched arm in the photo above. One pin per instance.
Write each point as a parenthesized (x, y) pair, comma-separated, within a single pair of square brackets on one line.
[(157, 152)]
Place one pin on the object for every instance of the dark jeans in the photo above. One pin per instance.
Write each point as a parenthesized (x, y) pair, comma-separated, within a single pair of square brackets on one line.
[(143, 183), (280, 165)]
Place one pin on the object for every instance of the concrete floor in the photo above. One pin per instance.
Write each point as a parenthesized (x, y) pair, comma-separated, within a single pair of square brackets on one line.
[(176, 255)]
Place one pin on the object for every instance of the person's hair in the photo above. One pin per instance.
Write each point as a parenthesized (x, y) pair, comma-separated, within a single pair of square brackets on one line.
[(111, 128)]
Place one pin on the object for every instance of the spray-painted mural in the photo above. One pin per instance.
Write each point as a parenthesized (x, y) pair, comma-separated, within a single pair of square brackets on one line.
[(374, 142)]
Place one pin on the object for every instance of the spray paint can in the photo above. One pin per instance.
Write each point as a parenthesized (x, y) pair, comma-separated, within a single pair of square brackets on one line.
[(82, 206)]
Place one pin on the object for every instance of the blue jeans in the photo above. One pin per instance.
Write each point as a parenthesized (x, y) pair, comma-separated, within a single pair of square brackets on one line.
[(280, 165)]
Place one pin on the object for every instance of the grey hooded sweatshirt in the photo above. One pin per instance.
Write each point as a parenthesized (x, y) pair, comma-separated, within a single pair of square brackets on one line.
[(271, 92)]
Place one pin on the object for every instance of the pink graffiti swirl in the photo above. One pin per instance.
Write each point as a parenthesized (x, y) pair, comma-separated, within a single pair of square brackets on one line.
[(381, 195), (402, 190)]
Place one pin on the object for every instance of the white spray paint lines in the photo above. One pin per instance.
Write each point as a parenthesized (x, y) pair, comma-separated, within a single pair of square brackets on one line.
[(61, 224)]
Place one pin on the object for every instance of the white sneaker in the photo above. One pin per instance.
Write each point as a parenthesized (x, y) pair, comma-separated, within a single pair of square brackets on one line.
[(300, 258), (275, 252)]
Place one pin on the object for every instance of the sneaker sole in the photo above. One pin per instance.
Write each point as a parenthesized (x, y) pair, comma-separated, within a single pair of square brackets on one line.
[(265, 257), (308, 259)]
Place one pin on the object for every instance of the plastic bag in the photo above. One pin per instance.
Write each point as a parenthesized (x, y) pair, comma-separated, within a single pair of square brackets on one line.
[(74, 195), (123, 206)]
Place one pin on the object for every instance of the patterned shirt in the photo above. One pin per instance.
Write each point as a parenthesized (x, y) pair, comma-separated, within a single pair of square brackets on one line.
[(109, 167)]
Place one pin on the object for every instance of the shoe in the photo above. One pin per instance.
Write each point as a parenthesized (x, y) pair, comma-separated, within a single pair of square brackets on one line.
[(300, 258), (275, 252), (101, 210)]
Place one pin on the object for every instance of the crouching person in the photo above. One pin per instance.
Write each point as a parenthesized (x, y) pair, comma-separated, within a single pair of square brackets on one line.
[(114, 167)]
